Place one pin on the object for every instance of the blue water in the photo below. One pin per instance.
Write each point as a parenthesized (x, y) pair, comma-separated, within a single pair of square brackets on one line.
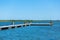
[(9, 23), (32, 33)]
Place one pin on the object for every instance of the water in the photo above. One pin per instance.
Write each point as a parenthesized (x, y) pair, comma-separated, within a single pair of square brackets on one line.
[(9, 23), (32, 33)]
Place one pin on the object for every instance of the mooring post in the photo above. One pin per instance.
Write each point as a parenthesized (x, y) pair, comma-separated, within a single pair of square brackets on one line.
[(13, 23), (51, 23), (30, 23)]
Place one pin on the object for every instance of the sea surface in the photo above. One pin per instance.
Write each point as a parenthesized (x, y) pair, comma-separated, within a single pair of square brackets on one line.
[(31, 32)]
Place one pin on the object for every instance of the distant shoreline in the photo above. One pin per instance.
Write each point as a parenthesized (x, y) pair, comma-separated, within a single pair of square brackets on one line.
[(25, 20)]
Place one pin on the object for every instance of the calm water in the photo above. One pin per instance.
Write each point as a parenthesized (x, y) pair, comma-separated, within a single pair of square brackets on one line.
[(32, 32), (9, 23)]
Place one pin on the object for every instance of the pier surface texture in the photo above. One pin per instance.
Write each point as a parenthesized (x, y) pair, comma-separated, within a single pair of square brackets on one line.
[(23, 25)]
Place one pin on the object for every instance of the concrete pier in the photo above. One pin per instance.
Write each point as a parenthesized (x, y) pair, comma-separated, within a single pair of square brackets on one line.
[(24, 25), (40, 24), (12, 26)]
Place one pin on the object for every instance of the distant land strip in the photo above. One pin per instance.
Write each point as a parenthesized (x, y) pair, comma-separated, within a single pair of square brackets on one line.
[(26, 20)]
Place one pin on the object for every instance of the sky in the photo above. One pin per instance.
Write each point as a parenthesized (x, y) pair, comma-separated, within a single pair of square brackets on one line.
[(30, 9)]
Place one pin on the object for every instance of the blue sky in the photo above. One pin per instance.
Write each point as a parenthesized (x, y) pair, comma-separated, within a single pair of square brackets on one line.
[(30, 9)]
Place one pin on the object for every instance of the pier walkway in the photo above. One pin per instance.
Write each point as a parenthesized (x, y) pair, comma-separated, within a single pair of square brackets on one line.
[(23, 25)]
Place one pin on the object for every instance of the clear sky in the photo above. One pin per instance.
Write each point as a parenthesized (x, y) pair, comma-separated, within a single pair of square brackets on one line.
[(30, 9)]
